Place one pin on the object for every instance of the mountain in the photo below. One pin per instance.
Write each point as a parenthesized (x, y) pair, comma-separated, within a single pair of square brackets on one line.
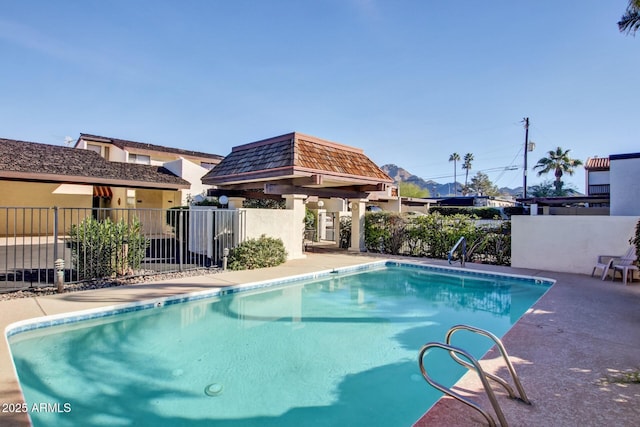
[(435, 189)]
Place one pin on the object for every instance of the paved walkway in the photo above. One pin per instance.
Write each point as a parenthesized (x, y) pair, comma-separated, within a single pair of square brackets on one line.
[(582, 332)]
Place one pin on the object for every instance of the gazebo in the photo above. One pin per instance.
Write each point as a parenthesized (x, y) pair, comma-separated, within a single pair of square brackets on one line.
[(300, 168)]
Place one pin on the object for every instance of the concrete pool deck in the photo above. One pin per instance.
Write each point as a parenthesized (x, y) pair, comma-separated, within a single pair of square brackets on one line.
[(568, 349)]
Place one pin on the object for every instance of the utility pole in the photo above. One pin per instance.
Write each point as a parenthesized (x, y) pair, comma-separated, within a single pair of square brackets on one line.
[(526, 148)]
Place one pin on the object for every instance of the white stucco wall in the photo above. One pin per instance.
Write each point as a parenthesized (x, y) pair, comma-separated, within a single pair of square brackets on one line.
[(569, 244), (191, 172), (277, 223), (625, 188)]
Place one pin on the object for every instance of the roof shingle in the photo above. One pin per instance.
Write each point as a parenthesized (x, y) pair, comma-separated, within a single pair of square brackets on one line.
[(43, 162), (597, 163), (293, 153), (126, 144)]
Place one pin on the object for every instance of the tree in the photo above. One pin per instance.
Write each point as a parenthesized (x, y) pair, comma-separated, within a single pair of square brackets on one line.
[(468, 158), (548, 189), (409, 189), (630, 22), (544, 189), (482, 185), (455, 157), (559, 162)]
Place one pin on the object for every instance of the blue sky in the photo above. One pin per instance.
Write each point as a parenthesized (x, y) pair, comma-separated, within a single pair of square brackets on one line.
[(410, 82)]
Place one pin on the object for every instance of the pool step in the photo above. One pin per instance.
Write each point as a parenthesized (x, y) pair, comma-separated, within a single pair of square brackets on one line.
[(472, 363)]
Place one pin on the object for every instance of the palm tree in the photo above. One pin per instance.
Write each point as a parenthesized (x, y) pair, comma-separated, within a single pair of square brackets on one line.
[(559, 162), (468, 158), (455, 157), (630, 21)]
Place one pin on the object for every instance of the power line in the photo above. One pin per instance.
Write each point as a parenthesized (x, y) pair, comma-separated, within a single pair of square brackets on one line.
[(495, 169)]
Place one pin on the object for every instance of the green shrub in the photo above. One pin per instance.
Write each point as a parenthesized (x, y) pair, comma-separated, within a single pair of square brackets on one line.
[(106, 248), (435, 234), (514, 210), (257, 253), (384, 232), (264, 204), (635, 240), (482, 213), (310, 219), (345, 232), (492, 245)]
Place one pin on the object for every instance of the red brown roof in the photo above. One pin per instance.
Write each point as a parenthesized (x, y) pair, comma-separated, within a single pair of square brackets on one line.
[(295, 163), (597, 163), (124, 144), (295, 154)]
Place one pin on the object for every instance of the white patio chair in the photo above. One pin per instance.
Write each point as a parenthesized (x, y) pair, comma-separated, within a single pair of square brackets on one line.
[(606, 262), (625, 265)]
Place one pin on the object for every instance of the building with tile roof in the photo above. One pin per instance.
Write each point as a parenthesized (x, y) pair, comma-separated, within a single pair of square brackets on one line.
[(30, 161), (33, 174), (187, 164), (597, 178)]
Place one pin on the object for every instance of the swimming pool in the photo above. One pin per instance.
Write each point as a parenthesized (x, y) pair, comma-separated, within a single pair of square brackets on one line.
[(333, 348)]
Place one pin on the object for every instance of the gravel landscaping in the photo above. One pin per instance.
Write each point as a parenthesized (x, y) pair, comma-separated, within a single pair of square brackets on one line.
[(105, 283)]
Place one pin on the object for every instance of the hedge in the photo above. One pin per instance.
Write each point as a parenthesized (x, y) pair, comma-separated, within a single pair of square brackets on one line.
[(435, 234)]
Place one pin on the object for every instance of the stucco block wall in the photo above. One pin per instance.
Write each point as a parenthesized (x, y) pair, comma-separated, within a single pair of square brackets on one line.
[(40, 195), (17, 193), (625, 191), (277, 223), (569, 244)]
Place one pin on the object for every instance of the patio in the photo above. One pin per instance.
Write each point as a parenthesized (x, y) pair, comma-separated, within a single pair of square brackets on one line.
[(567, 349)]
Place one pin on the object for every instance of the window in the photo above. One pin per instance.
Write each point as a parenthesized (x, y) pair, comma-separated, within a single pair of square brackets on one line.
[(99, 149), (96, 148), (140, 159)]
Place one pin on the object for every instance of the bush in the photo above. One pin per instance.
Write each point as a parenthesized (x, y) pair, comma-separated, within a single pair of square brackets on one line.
[(514, 210), (635, 240), (493, 245), (310, 219), (481, 213), (384, 232), (257, 253), (345, 232), (106, 248), (435, 234)]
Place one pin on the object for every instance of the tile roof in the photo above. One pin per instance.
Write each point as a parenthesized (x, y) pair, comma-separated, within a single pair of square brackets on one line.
[(295, 154), (125, 145), (53, 163), (597, 163)]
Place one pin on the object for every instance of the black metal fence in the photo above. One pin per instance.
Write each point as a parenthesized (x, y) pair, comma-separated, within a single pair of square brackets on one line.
[(90, 243)]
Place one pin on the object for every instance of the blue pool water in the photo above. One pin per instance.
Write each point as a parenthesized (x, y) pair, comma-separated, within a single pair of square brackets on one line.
[(337, 349)]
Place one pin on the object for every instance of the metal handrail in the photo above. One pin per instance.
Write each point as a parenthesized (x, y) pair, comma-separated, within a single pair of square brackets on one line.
[(505, 356), (481, 374), (462, 240)]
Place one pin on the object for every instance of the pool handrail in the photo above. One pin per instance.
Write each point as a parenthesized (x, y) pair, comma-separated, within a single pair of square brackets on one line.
[(481, 374), (462, 240), (522, 395)]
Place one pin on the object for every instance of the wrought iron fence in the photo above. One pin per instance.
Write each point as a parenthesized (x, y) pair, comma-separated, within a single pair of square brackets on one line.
[(91, 243)]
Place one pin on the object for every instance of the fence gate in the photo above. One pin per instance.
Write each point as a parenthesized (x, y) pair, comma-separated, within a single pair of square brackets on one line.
[(98, 242)]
